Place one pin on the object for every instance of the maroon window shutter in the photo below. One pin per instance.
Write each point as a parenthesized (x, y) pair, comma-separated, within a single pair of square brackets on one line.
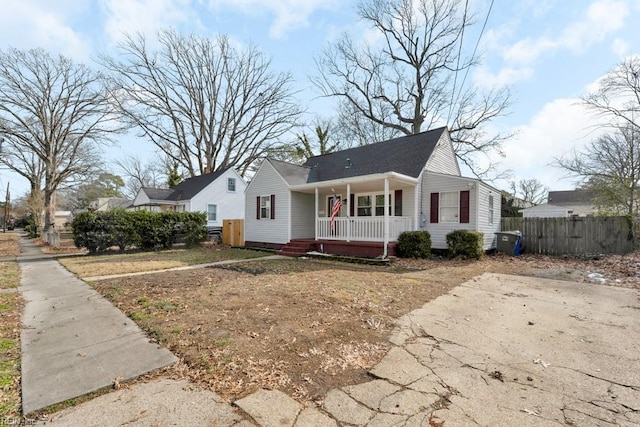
[(435, 205), (273, 206), (352, 204), (464, 207), (258, 207), (398, 200)]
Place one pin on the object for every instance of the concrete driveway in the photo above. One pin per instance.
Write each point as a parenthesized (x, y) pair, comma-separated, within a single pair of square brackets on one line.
[(496, 351)]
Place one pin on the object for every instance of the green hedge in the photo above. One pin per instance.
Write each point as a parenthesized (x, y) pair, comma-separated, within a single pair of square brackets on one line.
[(98, 231), (414, 244), (465, 244)]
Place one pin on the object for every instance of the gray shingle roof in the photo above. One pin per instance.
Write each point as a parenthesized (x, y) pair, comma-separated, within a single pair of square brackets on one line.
[(406, 155), (186, 189), (192, 186), (292, 174), (157, 193), (570, 197)]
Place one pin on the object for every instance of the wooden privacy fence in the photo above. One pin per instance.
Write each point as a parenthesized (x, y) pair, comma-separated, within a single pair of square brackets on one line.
[(233, 232), (573, 235)]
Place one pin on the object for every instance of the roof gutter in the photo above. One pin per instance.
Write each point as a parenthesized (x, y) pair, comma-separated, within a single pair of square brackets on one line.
[(356, 180)]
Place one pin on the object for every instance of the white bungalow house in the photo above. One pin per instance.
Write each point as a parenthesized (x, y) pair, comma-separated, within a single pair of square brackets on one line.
[(403, 184), (219, 194), (564, 204)]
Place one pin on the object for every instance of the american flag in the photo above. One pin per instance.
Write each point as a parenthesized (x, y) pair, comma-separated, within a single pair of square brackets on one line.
[(335, 211)]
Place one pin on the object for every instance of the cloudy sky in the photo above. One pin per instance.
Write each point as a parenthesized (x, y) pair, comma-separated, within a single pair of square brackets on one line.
[(550, 52)]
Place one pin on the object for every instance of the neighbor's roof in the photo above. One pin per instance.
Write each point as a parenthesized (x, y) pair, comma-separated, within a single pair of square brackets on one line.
[(571, 197), (192, 186), (157, 193), (186, 189)]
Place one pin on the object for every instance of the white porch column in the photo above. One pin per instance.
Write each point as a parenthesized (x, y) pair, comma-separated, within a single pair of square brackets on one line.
[(386, 217), (349, 210), (315, 216)]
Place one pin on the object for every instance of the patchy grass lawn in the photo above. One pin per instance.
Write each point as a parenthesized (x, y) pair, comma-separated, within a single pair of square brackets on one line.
[(306, 326), (135, 262), (10, 327), (9, 245), (300, 326)]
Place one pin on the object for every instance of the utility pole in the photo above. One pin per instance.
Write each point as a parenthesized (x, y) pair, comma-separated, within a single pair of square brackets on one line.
[(6, 210)]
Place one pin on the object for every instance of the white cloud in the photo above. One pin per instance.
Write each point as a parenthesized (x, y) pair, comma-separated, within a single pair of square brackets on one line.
[(35, 23), (145, 16), (506, 76), (561, 126), (602, 18), (289, 14), (620, 47)]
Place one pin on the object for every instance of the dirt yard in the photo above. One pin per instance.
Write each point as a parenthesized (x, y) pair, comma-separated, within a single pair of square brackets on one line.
[(305, 326)]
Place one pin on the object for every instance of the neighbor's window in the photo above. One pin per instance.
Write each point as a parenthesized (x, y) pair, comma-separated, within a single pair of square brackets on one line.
[(212, 212), (490, 210), (231, 184), (449, 207), (265, 207)]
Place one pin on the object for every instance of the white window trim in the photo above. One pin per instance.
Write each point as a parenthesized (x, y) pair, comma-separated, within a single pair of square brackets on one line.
[(457, 206), (267, 206), (235, 184), (392, 204), (216, 212), (491, 205)]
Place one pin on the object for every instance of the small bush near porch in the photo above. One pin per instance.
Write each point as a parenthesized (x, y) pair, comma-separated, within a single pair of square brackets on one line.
[(414, 244), (465, 244)]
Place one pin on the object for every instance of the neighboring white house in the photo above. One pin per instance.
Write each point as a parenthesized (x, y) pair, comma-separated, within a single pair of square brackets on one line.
[(109, 203), (219, 194), (562, 204), (404, 184)]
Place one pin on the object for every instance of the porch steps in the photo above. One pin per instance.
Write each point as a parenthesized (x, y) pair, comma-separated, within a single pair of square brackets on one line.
[(296, 248)]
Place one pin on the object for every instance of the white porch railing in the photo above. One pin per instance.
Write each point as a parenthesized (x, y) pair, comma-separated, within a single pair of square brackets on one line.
[(364, 229)]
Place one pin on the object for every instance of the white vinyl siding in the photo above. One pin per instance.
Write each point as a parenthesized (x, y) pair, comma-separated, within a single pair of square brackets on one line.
[(443, 159), (267, 181), (302, 216), (441, 183), (485, 193), (228, 205)]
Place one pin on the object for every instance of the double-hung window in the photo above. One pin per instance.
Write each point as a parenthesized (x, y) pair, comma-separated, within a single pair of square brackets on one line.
[(212, 212)]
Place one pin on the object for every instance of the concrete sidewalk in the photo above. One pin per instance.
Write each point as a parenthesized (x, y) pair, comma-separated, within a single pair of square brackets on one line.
[(73, 340)]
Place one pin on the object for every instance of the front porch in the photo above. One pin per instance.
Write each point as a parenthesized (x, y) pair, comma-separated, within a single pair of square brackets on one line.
[(364, 229), (299, 247)]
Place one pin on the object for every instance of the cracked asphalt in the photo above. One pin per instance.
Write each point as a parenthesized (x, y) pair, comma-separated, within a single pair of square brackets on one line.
[(496, 351)]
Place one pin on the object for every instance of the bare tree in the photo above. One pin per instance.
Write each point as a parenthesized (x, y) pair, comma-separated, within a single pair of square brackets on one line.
[(610, 166), (617, 97), (53, 114), (530, 191), (203, 103), (412, 80), (138, 174)]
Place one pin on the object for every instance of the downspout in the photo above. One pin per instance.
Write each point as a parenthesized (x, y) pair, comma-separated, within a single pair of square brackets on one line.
[(386, 218), (315, 216), (348, 206)]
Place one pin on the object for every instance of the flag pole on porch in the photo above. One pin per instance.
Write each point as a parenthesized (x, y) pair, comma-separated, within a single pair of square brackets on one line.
[(336, 205)]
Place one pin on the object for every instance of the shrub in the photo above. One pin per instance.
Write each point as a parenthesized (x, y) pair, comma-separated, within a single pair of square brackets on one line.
[(91, 230), (465, 244), (193, 227), (414, 244)]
